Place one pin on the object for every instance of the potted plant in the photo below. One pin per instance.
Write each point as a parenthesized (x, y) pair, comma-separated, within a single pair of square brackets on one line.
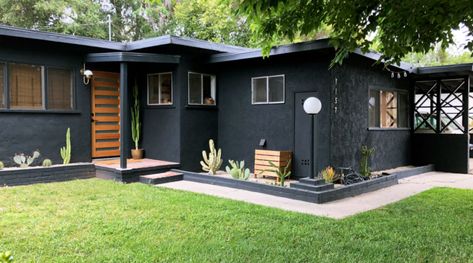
[(137, 152)]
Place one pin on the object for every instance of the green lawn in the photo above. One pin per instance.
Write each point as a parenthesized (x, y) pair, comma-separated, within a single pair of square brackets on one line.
[(102, 221)]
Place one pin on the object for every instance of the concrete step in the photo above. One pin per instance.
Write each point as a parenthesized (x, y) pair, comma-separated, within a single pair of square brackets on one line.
[(313, 188), (161, 178), (310, 181)]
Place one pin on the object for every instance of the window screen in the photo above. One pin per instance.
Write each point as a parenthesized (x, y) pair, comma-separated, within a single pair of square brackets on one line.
[(267, 90), (25, 83), (59, 89)]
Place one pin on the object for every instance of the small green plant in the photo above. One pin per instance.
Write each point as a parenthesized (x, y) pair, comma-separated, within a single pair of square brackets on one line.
[(2, 165), (238, 170), (366, 154), (6, 257), (47, 163), (213, 160), (281, 173), (135, 118), (25, 161), (329, 175), (66, 150)]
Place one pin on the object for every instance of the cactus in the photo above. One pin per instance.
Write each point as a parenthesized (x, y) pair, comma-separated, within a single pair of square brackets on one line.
[(2, 165), (47, 163), (238, 170), (24, 160), (135, 118), (366, 154), (213, 161), (66, 150)]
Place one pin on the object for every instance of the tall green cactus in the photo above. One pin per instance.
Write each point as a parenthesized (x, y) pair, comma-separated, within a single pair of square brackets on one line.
[(135, 118), (366, 154), (213, 160), (66, 150)]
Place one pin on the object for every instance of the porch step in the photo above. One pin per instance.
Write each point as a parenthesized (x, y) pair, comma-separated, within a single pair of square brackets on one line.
[(314, 188), (161, 178), (311, 181)]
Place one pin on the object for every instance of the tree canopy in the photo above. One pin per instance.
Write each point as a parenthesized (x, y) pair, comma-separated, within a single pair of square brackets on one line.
[(396, 27)]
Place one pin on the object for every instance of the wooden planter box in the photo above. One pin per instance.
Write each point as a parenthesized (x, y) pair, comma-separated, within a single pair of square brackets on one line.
[(262, 158)]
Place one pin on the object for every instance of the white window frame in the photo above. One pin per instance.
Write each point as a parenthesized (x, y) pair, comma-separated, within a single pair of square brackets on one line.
[(213, 89), (159, 89), (267, 90)]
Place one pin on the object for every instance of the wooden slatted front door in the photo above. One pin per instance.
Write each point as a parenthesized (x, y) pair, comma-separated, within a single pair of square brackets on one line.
[(105, 114)]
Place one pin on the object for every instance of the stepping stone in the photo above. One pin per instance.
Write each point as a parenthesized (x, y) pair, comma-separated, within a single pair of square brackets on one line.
[(161, 178), (310, 181)]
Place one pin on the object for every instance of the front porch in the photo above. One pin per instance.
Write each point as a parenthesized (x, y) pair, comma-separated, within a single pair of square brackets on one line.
[(111, 115)]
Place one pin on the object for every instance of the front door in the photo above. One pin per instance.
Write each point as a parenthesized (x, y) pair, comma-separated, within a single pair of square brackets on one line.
[(302, 137), (105, 114)]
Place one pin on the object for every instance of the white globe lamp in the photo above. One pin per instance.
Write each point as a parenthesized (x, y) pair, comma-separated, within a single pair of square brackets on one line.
[(312, 105)]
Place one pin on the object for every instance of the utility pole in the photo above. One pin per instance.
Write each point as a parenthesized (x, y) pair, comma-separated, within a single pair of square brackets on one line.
[(109, 27)]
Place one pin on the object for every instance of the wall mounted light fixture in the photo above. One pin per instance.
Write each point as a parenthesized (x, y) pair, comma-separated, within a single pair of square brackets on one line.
[(86, 75)]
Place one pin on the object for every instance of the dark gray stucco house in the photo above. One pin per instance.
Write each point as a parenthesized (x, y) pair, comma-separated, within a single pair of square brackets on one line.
[(194, 90)]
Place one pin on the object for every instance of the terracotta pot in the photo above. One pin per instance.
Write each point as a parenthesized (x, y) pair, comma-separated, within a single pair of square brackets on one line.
[(137, 154)]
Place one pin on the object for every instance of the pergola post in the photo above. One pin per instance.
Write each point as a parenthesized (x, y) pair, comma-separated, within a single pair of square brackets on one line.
[(123, 114)]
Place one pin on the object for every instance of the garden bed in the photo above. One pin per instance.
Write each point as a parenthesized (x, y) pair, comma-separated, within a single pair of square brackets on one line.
[(339, 192), (39, 174)]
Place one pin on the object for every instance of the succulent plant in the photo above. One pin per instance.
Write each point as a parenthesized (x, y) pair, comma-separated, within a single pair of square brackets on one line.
[(238, 170), (24, 160), (47, 163), (213, 161), (2, 165)]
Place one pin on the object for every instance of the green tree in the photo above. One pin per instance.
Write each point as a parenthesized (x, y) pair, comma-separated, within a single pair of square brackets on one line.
[(210, 20), (399, 27)]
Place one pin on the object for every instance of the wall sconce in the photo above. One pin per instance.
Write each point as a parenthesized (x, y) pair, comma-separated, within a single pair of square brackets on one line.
[(86, 75)]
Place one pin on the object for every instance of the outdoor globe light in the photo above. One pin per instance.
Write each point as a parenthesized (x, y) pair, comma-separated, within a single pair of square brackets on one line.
[(312, 105)]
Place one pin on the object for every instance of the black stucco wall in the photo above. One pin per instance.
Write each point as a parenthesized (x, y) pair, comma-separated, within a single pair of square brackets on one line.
[(198, 123), (241, 125), (340, 134), (161, 128), (350, 122), (26, 132)]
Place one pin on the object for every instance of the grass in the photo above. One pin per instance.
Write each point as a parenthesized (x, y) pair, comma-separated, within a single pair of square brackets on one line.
[(102, 221)]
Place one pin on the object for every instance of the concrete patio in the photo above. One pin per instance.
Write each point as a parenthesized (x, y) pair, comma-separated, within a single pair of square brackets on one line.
[(341, 208)]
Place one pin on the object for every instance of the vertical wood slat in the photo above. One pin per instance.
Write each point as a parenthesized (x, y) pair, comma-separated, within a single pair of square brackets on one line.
[(110, 133)]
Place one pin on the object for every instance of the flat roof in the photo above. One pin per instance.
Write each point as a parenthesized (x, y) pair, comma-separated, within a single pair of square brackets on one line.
[(454, 68)]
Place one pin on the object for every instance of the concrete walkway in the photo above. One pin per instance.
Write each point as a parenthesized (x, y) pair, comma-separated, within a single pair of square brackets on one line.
[(341, 208)]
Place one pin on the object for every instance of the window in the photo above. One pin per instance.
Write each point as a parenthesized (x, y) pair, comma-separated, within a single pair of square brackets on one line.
[(202, 89), (388, 109), (59, 89), (2, 88), (26, 86), (160, 89), (267, 90)]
